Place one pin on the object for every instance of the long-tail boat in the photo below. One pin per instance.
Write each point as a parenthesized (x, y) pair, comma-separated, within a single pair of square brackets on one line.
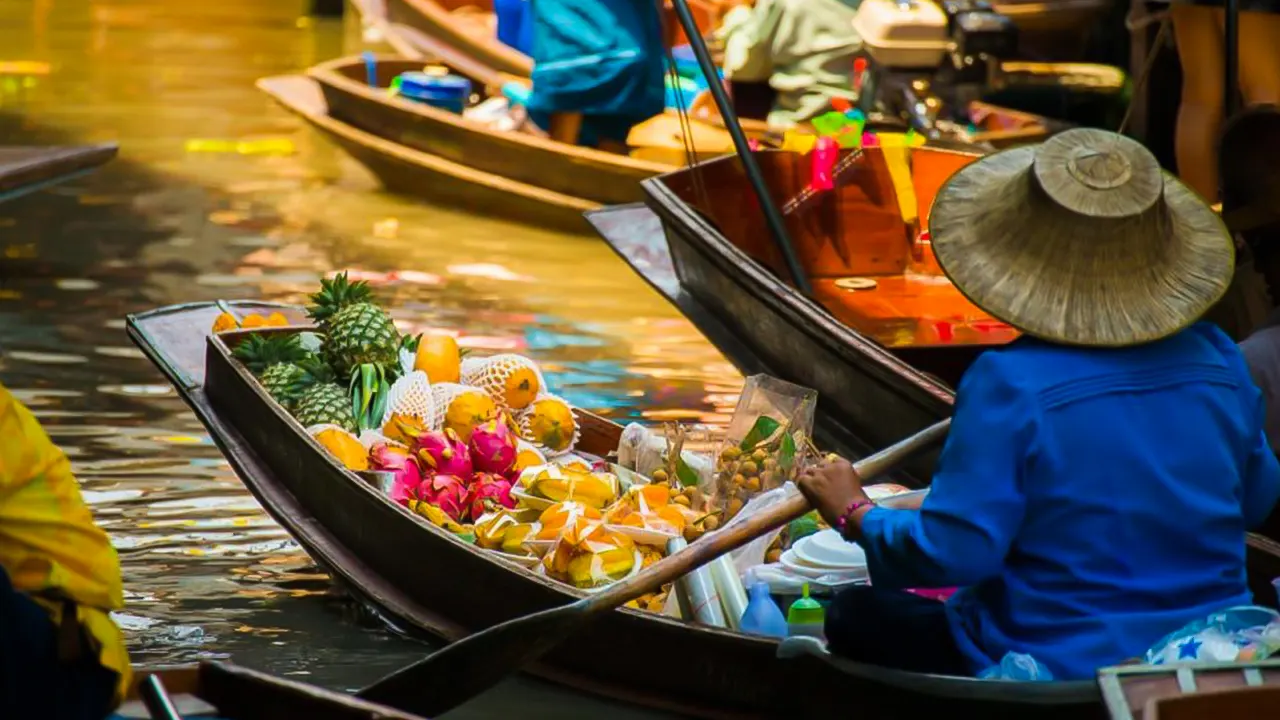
[(440, 155), (427, 581), (884, 338), (222, 690)]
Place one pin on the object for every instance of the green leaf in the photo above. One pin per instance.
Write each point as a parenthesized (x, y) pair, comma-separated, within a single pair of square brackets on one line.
[(787, 452), (764, 427), (803, 526), (685, 474)]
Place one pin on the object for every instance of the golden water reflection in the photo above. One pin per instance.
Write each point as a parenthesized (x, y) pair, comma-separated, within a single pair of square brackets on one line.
[(217, 193)]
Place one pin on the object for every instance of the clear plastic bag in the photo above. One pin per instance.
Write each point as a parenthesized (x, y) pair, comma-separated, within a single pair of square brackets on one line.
[(1244, 633), (645, 451), (752, 554), (1018, 667), (766, 444)]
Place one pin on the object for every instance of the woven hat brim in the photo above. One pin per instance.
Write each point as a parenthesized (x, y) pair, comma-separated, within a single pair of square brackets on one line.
[(1071, 279)]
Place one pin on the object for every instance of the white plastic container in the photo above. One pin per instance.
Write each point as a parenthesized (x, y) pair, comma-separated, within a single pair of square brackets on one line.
[(903, 33)]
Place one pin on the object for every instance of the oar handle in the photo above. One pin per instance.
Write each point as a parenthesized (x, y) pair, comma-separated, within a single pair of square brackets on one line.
[(157, 699), (735, 535)]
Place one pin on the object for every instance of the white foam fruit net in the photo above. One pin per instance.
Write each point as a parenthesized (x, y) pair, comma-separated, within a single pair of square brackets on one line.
[(410, 395), (526, 431), (442, 395), (490, 374)]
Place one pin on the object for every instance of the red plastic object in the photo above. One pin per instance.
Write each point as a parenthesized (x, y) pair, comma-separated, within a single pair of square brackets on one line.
[(822, 163), (870, 140), (945, 331), (753, 144), (841, 105)]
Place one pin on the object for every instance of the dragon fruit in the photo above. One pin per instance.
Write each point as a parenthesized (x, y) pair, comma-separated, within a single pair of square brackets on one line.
[(444, 453), (447, 492), (489, 492), (408, 473), (493, 447)]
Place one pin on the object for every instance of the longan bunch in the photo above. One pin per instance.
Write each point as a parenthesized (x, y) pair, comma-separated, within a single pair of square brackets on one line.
[(744, 474)]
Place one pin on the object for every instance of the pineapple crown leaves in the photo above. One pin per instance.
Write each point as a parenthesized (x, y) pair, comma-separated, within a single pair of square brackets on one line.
[(369, 388), (318, 371), (259, 352), (336, 294)]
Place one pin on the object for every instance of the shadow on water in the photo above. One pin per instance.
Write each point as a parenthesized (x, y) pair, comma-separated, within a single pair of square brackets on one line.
[(217, 193)]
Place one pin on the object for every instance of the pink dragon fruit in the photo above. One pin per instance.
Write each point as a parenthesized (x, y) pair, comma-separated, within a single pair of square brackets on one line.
[(444, 453), (489, 492), (493, 447), (447, 492), (408, 473)]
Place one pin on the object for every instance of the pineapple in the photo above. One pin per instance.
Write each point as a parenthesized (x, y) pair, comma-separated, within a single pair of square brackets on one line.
[(325, 403), (278, 362), (357, 332)]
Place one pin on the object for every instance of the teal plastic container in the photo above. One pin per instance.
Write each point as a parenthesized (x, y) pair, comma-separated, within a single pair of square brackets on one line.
[(447, 92)]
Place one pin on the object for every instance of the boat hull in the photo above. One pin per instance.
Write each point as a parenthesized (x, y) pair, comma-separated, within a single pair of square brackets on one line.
[(425, 582)]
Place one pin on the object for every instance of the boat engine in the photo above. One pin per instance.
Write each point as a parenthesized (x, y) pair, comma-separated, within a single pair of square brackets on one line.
[(928, 61)]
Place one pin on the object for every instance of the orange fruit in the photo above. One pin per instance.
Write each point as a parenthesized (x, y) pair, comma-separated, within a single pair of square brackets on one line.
[(276, 319), (439, 358), (549, 422), (254, 321), (521, 388), (225, 322), (467, 411)]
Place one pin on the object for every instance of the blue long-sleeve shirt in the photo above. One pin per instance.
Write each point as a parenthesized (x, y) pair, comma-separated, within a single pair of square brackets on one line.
[(1089, 501)]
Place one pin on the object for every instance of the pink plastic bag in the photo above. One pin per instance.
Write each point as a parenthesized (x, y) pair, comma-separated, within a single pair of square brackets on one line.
[(939, 594)]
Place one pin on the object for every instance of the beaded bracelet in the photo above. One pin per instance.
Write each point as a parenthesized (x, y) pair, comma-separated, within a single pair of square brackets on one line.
[(842, 523)]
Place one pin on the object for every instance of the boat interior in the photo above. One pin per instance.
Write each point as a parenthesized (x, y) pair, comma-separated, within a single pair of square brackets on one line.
[(861, 244)]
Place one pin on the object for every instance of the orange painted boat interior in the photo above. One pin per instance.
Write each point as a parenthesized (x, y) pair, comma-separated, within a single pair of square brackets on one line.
[(863, 229)]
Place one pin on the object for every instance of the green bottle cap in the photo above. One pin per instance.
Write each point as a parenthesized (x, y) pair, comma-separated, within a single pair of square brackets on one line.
[(806, 610)]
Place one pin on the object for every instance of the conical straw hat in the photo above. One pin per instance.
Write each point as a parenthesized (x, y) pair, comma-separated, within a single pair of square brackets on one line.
[(1081, 240)]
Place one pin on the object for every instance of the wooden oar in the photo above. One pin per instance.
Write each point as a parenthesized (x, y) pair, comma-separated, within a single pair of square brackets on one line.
[(159, 705), (459, 672)]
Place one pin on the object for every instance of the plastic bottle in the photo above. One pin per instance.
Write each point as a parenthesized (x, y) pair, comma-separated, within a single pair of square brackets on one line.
[(806, 617), (763, 617)]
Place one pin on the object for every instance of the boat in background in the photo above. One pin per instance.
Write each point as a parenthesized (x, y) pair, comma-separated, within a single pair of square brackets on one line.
[(453, 588), (25, 170), (227, 692), (1239, 691)]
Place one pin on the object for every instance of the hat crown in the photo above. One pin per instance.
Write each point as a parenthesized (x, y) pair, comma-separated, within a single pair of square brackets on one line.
[(1098, 174)]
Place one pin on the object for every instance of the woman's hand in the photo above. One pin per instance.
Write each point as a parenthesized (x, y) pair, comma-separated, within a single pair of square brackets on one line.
[(830, 487)]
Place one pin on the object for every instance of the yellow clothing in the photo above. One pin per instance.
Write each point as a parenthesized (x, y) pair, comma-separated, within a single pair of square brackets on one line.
[(49, 544)]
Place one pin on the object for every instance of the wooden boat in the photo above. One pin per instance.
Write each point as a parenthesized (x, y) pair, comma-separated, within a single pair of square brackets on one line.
[(884, 361), (1239, 691), (221, 690), (426, 581), (27, 169), (404, 170), (439, 155)]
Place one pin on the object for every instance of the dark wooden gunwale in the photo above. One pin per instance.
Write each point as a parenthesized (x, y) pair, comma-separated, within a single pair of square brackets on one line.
[(244, 694), (408, 171), (592, 175), (331, 511)]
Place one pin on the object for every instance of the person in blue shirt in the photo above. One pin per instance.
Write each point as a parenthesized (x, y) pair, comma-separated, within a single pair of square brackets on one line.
[(1102, 470)]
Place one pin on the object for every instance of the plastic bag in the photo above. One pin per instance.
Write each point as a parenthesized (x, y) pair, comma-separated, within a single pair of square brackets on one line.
[(752, 554), (766, 443), (1244, 633), (645, 451), (1017, 667)]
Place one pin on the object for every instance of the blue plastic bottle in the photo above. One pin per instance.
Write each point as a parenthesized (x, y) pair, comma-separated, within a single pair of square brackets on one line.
[(763, 616)]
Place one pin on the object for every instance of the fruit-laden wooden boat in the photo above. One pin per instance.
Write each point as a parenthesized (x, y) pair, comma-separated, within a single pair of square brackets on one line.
[(427, 581), (27, 169), (402, 169), (414, 147), (1201, 692), (220, 691), (884, 338)]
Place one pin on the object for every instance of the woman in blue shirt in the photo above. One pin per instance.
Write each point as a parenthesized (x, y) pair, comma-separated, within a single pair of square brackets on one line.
[(1102, 470)]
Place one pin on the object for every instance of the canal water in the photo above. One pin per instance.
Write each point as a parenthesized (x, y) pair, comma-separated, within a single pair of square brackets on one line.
[(218, 193)]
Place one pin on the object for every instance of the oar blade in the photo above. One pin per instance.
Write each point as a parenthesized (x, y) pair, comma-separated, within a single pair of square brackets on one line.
[(453, 675)]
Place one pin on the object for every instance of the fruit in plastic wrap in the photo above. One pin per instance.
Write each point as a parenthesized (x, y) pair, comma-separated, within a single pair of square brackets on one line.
[(344, 446), (648, 506), (550, 423), (492, 528), (558, 484), (590, 555), (527, 456), (488, 493), (513, 381), (410, 397), (408, 473), (553, 521), (445, 453), (447, 492), (438, 356), (493, 447), (461, 408)]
